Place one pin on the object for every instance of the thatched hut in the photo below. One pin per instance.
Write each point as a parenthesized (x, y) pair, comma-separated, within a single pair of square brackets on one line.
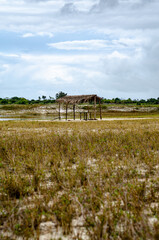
[(77, 99)]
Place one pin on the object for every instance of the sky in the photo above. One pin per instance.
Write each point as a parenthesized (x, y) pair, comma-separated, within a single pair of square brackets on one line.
[(104, 47)]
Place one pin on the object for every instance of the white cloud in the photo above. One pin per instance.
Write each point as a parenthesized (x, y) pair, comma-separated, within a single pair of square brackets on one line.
[(80, 45), (45, 59), (68, 8), (9, 55), (118, 55), (4, 68), (54, 74), (98, 44), (42, 16), (123, 51), (27, 35), (41, 34), (49, 34), (129, 42), (104, 4), (117, 72)]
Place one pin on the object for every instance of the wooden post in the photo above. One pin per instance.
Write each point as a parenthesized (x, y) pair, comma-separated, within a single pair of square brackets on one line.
[(80, 116), (59, 112), (74, 114), (95, 107), (66, 110), (100, 108), (88, 114)]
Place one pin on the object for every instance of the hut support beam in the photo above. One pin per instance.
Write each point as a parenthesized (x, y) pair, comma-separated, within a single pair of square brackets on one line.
[(95, 107), (66, 110), (59, 112), (88, 114), (74, 113), (100, 109)]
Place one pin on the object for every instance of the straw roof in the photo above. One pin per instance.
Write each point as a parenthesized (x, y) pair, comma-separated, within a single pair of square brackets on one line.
[(77, 99)]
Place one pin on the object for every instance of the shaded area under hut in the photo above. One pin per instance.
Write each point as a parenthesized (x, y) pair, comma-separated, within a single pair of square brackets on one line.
[(77, 99)]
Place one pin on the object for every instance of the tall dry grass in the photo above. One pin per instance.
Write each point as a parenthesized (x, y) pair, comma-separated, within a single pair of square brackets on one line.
[(100, 178)]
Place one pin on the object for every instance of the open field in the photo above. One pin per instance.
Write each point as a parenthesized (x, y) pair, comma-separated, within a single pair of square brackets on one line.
[(79, 180)]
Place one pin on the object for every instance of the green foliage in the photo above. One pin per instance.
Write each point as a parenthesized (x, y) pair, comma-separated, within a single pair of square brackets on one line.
[(60, 94), (151, 101), (24, 101)]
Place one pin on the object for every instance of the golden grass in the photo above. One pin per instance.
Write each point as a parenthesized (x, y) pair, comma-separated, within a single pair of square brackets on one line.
[(100, 178)]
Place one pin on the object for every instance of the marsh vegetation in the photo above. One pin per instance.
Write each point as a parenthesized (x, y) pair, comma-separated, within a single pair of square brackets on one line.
[(79, 180)]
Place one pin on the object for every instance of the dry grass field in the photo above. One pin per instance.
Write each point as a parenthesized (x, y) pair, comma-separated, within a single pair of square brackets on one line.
[(79, 180)]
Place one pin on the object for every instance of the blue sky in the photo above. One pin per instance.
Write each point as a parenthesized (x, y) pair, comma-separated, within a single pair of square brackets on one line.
[(107, 47)]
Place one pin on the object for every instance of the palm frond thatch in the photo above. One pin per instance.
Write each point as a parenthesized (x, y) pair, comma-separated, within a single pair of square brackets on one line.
[(78, 99)]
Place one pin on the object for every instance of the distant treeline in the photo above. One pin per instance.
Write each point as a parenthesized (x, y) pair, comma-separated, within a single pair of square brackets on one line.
[(21, 100), (130, 101), (41, 100), (45, 100)]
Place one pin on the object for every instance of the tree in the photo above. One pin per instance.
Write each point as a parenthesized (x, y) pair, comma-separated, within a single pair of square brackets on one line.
[(22, 101), (152, 101), (43, 97), (117, 100), (60, 94), (142, 101), (51, 98), (4, 101)]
